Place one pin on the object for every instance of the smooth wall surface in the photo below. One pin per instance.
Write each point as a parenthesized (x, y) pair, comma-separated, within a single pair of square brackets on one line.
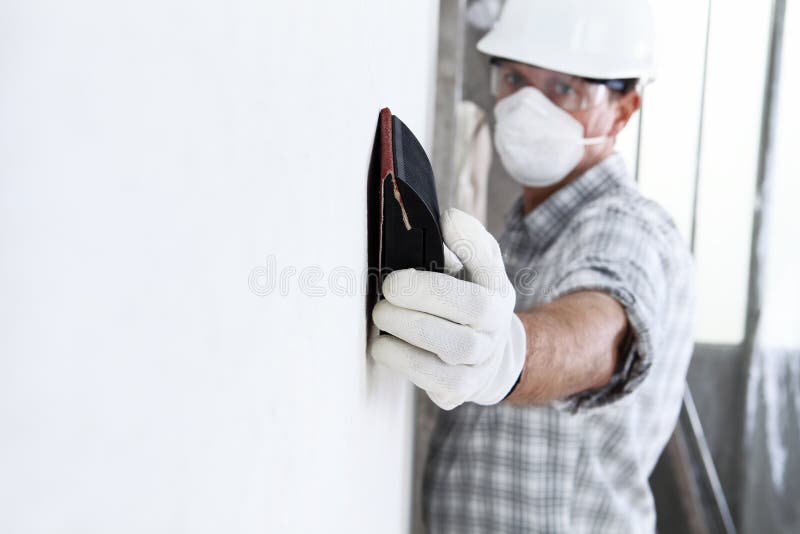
[(158, 160)]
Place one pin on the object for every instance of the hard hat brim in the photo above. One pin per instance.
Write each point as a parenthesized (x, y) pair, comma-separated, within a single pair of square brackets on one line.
[(562, 60)]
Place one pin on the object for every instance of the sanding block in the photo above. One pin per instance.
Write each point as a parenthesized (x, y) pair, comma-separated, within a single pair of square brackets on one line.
[(409, 232)]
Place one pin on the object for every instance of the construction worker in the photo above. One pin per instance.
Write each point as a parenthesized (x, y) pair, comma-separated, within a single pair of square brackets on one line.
[(559, 355)]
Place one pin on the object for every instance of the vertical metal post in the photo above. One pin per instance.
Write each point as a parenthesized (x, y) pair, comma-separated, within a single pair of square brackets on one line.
[(449, 84), (700, 130), (768, 121)]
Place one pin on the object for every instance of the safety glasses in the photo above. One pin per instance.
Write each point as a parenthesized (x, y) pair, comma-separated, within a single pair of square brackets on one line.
[(570, 93)]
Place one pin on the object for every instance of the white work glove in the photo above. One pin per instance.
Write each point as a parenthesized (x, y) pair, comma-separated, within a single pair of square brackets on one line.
[(456, 338)]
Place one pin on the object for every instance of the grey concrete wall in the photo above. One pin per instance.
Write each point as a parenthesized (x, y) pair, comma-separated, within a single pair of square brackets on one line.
[(502, 189)]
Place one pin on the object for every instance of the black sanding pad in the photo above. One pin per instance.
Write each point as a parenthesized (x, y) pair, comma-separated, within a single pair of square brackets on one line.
[(409, 234)]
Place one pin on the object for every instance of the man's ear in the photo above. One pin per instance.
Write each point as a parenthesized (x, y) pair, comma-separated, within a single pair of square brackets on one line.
[(627, 105)]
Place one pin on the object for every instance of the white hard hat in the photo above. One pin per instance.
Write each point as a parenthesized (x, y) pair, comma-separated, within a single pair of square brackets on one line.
[(603, 39)]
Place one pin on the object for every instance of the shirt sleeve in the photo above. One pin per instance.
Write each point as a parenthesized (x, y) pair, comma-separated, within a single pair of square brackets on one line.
[(621, 248)]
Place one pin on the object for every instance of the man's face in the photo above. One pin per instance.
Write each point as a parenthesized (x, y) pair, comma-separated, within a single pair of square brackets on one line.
[(600, 110)]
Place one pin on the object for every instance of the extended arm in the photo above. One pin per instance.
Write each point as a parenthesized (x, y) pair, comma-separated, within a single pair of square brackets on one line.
[(460, 340), (572, 344)]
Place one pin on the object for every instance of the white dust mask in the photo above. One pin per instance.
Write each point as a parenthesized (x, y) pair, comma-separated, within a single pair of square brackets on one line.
[(539, 143)]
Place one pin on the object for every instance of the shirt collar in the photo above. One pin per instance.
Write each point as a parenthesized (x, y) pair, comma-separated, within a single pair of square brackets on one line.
[(545, 222)]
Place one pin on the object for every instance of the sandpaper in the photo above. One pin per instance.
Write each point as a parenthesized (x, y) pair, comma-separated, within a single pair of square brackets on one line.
[(409, 233)]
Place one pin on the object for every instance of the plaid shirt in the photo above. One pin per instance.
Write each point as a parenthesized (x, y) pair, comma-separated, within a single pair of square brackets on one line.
[(580, 464)]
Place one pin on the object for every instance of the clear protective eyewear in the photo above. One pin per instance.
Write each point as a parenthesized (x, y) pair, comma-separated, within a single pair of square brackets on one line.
[(570, 93)]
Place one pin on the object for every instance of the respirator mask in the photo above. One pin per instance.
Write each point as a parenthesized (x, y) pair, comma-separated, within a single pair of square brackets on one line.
[(539, 143)]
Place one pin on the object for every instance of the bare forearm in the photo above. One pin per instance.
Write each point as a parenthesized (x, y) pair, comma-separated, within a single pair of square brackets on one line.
[(572, 346)]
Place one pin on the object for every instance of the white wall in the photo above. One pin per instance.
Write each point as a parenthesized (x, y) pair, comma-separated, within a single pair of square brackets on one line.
[(152, 155), (700, 106)]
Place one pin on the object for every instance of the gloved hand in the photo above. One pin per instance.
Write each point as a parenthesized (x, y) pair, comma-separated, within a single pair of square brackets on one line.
[(456, 338)]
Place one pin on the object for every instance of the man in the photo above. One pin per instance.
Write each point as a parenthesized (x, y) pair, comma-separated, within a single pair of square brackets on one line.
[(556, 413)]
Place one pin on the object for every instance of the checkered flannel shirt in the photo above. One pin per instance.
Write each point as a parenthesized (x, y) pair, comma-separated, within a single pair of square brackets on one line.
[(580, 464)]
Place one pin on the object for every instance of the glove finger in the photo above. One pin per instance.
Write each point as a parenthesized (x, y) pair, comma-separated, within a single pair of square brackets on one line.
[(442, 295), (452, 265), (422, 368), (475, 247), (444, 402), (454, 343)]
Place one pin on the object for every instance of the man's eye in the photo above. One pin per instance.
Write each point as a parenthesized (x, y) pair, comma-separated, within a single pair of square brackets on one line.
[(563, 88), (513, 78)]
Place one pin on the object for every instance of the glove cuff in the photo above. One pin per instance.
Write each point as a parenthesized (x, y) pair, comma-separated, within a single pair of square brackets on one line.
[(510, 391), (510, 371)]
